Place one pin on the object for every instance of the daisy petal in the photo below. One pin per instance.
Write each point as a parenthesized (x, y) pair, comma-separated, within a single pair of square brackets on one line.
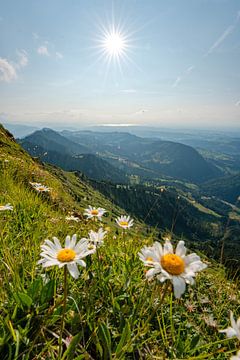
[(179, 286)]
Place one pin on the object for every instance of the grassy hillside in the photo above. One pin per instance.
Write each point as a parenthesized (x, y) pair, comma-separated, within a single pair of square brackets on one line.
[(111, 311)]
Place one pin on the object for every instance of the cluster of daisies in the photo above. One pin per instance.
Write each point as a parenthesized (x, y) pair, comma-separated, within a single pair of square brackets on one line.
[(163, 262)]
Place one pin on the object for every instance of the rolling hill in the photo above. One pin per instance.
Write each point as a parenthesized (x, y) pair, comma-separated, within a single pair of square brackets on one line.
[(163, 158)]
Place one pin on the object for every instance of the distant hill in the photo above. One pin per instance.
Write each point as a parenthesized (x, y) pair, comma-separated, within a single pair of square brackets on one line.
[(56, 149), (162, 157), (51, 140), (226, 188), (19, 130)]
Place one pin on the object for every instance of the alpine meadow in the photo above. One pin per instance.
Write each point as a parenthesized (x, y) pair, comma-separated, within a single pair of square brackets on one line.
[(119, 180)]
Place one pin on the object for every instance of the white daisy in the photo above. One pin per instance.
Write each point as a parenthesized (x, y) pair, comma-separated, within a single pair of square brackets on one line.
[(42, 188), (235, 357), (92, 212), (177, 267), (6, 207), (234, 329), (96, 238), (72, 218), (35, 184), (124, 222), (71, 255)]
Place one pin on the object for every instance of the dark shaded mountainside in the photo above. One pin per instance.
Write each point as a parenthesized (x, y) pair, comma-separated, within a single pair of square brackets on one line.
[(148, 157), (202, 221), (51, 147), (226, 188), (166, 209), (126, 153)]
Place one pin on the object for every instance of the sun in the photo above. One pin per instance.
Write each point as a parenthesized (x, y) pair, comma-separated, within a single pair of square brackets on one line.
[(114, 44)]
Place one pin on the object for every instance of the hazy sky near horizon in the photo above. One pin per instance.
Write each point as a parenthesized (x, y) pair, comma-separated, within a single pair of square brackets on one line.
[(177, 64)]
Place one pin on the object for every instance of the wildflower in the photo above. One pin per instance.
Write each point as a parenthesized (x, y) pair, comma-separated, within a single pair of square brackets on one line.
[(96, 238), (235, 357), (209, 320), (92, 212), (35, 184), (177, 267), (234, 329), (54, 220), (6, 207), (72, 218), (191, 307), (71, 255), (124, 222), (42, 188)]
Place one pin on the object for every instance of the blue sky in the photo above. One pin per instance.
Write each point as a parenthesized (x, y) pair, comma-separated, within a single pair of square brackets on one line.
[(180, 65)]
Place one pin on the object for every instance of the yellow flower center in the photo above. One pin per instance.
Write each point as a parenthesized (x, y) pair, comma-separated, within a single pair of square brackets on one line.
[(123, 223), (41, 189), (2, 207), (173, 264), (149, 258), (66, 255), (94, 212)]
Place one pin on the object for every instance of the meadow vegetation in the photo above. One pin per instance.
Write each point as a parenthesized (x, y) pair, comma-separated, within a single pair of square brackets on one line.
[(112, 311)]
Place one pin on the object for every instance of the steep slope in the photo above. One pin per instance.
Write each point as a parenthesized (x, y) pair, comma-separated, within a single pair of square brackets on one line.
[(110, 310), (15, 160)]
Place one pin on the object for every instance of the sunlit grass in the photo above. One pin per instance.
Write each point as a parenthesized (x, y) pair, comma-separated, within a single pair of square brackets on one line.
[(112, 312)]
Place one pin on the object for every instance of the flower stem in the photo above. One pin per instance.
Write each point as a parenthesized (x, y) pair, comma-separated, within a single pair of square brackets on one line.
[(63, 313), (125, 249)]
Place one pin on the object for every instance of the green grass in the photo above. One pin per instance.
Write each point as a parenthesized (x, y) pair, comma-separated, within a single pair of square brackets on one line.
[(112, 311)]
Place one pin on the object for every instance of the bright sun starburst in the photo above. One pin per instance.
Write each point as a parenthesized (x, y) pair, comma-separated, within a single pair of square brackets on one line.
[(114, 44)]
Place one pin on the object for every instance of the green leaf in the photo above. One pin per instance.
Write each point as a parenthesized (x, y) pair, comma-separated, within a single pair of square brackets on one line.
[(35, 288), (47, 292), (105, 337), (69, 353), (126, 336), (23, 299), (194, 341)]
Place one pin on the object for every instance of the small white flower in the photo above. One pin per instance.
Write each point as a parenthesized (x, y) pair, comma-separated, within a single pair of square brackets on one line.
[(92, 212), (42, 188), (177, 267), (234, 329), (6, 207), (71, 255), (124, 222), (72, 218), (235, 357), (35, 184), (96, 238)]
